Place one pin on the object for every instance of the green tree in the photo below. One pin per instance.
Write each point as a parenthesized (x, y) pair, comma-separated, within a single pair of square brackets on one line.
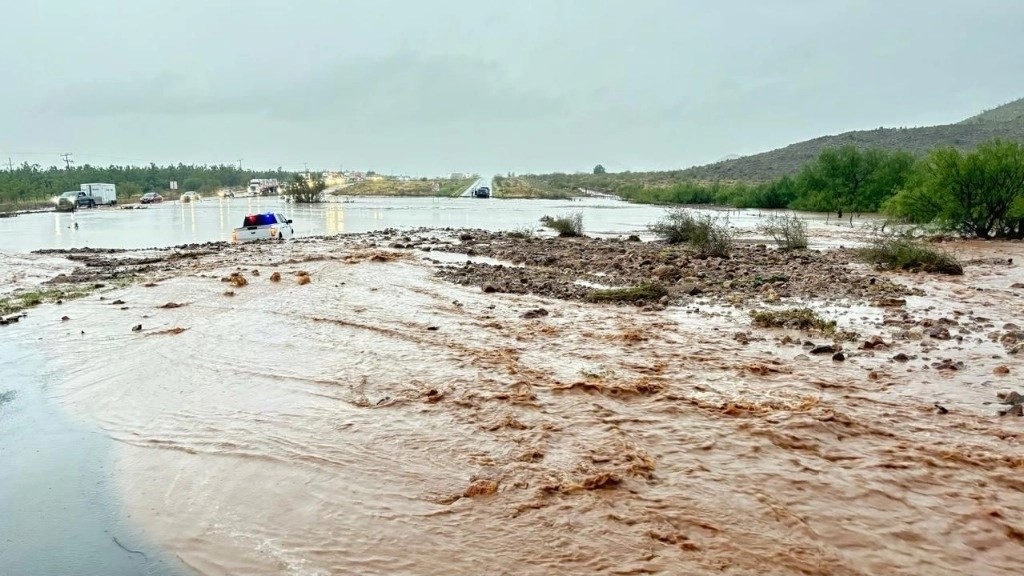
[(848, 180), (599, 169), (306, 190), (981, 190)]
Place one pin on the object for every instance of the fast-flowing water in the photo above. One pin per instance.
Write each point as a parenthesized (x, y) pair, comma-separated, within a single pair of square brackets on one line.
[(379, 421)]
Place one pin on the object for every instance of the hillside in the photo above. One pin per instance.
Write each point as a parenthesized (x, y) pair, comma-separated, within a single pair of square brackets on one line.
[(1013, 111), (1006, 122)]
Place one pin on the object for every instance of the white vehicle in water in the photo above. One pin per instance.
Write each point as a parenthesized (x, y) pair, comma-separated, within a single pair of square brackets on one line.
[(266, 226), (100, 194), (263, 186)]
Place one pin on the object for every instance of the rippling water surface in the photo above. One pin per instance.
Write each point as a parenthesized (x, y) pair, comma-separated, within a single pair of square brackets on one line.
[(379, 421)]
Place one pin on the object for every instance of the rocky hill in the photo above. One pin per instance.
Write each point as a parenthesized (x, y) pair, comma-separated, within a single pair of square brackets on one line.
[(1006, 122)]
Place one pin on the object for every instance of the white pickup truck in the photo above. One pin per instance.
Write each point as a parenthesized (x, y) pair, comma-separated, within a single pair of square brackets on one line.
[(266, 226)]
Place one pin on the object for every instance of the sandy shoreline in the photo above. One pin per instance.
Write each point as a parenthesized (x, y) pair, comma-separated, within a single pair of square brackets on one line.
[(384, 419)]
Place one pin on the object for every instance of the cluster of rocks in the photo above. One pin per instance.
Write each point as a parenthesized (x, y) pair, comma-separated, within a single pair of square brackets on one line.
[(569, 268)]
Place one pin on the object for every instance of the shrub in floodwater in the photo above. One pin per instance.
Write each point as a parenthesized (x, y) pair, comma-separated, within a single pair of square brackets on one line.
[(797, 318), (646, 291), (788, 232), (521, 232), (567, 226), (706, 234), (901, 251)]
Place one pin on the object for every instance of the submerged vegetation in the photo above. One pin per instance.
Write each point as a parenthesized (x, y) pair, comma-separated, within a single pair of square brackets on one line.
[(901, 251), (794, 318), (787, 231), (567, 225), (707, 235), (647, 291), (15, 303)]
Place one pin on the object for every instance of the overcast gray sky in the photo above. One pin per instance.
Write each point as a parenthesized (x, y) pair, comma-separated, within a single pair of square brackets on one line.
[(430, 87)]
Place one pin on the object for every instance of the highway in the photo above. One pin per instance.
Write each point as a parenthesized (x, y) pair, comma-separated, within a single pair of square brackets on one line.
[(468, 193)]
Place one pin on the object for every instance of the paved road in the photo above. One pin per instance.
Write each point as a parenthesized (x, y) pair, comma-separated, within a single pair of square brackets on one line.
[(468, 193)]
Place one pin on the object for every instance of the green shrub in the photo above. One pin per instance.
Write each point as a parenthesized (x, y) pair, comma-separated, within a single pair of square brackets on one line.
[(646, 291), (788, 232), (706, 234), (567, 226), (676, 227), (901, 251)]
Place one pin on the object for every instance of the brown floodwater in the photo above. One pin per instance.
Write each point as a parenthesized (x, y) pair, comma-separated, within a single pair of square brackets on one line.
[(377, 420)]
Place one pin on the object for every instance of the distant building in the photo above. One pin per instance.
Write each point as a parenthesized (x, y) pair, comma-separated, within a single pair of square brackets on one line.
[(458, 176)]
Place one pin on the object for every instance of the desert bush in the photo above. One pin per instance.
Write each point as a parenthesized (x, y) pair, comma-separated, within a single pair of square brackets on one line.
[(901, 251), (788, 232), (567, 225), (676, 227)]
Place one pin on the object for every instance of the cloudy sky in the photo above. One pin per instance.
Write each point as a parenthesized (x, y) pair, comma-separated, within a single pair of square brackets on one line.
[(411, 86)]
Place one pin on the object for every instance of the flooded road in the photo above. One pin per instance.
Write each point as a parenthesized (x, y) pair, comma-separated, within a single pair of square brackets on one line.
[(172, 223), (377, 420), (61, 514)]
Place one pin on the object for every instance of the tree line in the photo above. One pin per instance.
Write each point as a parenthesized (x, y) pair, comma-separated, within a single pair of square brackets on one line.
[(30, 182), (976, 194)]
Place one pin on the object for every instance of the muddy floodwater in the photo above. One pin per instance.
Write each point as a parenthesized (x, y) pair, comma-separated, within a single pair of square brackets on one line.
[(173, 223), (341, 406)]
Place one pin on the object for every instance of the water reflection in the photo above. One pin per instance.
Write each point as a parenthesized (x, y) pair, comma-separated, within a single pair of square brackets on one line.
[(175, 223)]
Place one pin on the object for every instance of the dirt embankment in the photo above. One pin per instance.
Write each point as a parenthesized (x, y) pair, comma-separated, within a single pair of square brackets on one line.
[(556, 267)]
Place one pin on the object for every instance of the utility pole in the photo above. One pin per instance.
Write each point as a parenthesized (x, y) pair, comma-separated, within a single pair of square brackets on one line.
[(67, 159), (10, 164), (240, 164)]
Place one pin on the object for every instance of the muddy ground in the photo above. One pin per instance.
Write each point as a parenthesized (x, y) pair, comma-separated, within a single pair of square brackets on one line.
[(377, 404)]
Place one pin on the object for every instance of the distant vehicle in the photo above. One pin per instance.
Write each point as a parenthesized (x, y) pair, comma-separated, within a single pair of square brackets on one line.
[(263, 186), (266, 226), (226, 194), (151, 198), (74, 199), (482, 192), (190, 196), (101, 194)]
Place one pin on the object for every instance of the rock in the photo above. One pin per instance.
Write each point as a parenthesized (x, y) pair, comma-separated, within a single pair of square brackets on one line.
[(170, 305), (117, 302), (433, 328), (481, 488), (666, 272), (1015, 410), (838, 357), (489, 287), (1001, 370), (303, 279), (915, 333), (275, 277), (823, 349), (948, 364), (691, 289), (664, 299), (938, 333), (1011, 397), (137, 328), (741, 337), (901, 357), (888, 302), (1017, 285), (1011, 327), (64, 318), (255, 272), (633, 238), (873, 343), (536, 313), (465, 236), (941, 409)]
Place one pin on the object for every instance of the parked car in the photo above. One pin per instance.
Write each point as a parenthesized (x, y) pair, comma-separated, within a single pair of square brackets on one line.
[(266, 226), (190, 196), (151, 198), (69, 201)]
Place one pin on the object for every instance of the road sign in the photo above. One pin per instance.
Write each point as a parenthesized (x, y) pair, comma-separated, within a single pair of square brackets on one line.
[(174, 184), (437, 187)]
